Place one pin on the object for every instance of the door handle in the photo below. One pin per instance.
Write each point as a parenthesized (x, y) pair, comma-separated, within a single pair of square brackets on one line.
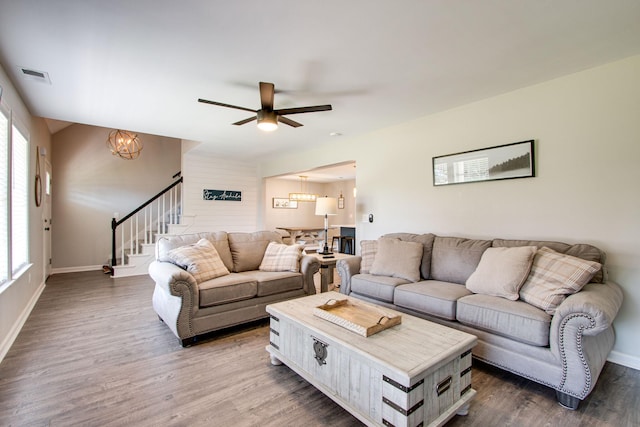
[(47, 229)]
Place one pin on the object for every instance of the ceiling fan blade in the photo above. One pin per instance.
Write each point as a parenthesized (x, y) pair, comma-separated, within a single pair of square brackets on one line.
[(289, 122), (266, 95), (241, 122), (220, 104), (298, 110)]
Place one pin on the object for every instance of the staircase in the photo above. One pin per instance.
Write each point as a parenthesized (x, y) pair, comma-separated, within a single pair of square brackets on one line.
[(134, 236)]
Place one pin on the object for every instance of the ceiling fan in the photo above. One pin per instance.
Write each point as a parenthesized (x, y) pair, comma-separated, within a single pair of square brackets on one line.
[(266, 116)]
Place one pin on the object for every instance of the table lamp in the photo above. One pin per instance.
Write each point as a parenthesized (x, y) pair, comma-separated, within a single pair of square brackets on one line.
[(326, 206)]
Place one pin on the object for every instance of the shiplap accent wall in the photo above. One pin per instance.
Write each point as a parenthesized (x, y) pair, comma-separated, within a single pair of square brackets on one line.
[(204, 171)]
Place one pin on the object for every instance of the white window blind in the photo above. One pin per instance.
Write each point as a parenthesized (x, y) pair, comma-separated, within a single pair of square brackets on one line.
[(19, 197), (4, 196)]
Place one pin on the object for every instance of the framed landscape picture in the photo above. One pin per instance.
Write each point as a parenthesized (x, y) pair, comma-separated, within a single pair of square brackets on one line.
[(284, 203), (507, 161)]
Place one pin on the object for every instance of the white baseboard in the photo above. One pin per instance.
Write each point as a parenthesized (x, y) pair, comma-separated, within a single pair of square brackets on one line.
[(76, 269), (624, 359), (15, 330)]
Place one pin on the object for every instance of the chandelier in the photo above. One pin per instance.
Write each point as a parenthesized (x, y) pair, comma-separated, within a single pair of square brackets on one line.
[(124, 144), (303, 196)]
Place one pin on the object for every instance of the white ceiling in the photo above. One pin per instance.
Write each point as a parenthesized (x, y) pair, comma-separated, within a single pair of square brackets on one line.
[(142, 64), (331, 173)]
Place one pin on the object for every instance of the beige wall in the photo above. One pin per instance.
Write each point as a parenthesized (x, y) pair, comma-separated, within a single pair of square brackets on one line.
[(587, 136), (90, 185), (18, 298)]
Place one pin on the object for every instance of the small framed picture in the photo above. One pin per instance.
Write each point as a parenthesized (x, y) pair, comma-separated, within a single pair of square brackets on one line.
[(284, 203)]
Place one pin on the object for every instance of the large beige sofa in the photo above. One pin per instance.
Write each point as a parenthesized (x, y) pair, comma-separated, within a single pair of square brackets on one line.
[(448, 280), (190, 307)]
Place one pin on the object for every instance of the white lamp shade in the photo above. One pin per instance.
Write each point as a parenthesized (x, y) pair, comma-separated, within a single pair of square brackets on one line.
[(326, 206)]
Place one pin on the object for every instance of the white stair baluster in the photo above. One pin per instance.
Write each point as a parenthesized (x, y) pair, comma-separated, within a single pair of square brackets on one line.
[(171, 206), (146, 232), (164, 217), (122, 245), (174, 191)]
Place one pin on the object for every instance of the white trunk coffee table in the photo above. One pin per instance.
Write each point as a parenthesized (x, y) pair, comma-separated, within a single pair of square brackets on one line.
[(417, 373)]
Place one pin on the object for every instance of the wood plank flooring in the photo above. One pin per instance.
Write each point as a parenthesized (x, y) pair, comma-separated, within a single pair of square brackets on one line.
[(93, 353)]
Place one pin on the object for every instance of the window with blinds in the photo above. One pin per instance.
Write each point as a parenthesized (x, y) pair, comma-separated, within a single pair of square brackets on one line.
[(19, 200), (4, 196), (14, 195)]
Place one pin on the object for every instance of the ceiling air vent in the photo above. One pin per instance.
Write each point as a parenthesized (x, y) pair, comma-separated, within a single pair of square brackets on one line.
[(38, 76)]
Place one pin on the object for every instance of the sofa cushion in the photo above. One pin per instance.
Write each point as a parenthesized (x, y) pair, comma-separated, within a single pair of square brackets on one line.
[(200, 259), (378, 287), (454, 258), (580, 250), (368, 250), (281, 257), (396, 258), (275, 282), (554, 276), (247, 249), (502, 271), (226, 289), (513, 319), (217, 238), (430, 297), (427, 247)]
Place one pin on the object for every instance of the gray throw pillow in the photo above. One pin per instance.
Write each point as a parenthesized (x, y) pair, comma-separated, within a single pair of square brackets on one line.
[(502, 271), (396, 258)]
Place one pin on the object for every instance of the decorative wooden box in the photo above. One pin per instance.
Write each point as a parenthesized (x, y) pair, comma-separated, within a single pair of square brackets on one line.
[(416, 373)]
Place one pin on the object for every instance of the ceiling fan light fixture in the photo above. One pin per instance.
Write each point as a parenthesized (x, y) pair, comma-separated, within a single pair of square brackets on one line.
[(267, 121)]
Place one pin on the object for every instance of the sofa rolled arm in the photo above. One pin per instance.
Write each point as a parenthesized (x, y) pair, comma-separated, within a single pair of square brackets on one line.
[(168, 276), (309, 266), (175, 297), (600, 302), (347, 268), (582, 336)]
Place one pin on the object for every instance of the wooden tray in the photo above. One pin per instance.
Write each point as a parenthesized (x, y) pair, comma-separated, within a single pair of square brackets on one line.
[(362, 319)]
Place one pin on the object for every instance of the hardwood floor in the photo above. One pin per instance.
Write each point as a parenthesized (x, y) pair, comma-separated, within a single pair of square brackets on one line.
[(93, 353)]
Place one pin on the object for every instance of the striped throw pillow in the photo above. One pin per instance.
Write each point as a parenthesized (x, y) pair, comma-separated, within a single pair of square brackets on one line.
[(368, 250), (201, 260), (281, 257), (553, 277)]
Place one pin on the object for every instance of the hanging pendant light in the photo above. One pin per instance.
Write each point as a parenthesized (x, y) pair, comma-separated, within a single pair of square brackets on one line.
[(124, 144), (303, 196)]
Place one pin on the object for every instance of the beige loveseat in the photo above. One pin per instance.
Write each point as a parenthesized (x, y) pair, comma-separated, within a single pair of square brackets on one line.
[(524, 300), (191, 303)]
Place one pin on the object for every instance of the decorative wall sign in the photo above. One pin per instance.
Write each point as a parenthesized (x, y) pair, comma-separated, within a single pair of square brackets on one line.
[(284, 203), (507, 161), (225, 195)]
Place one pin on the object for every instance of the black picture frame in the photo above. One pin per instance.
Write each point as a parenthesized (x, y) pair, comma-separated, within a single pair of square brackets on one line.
[(508, 161)]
